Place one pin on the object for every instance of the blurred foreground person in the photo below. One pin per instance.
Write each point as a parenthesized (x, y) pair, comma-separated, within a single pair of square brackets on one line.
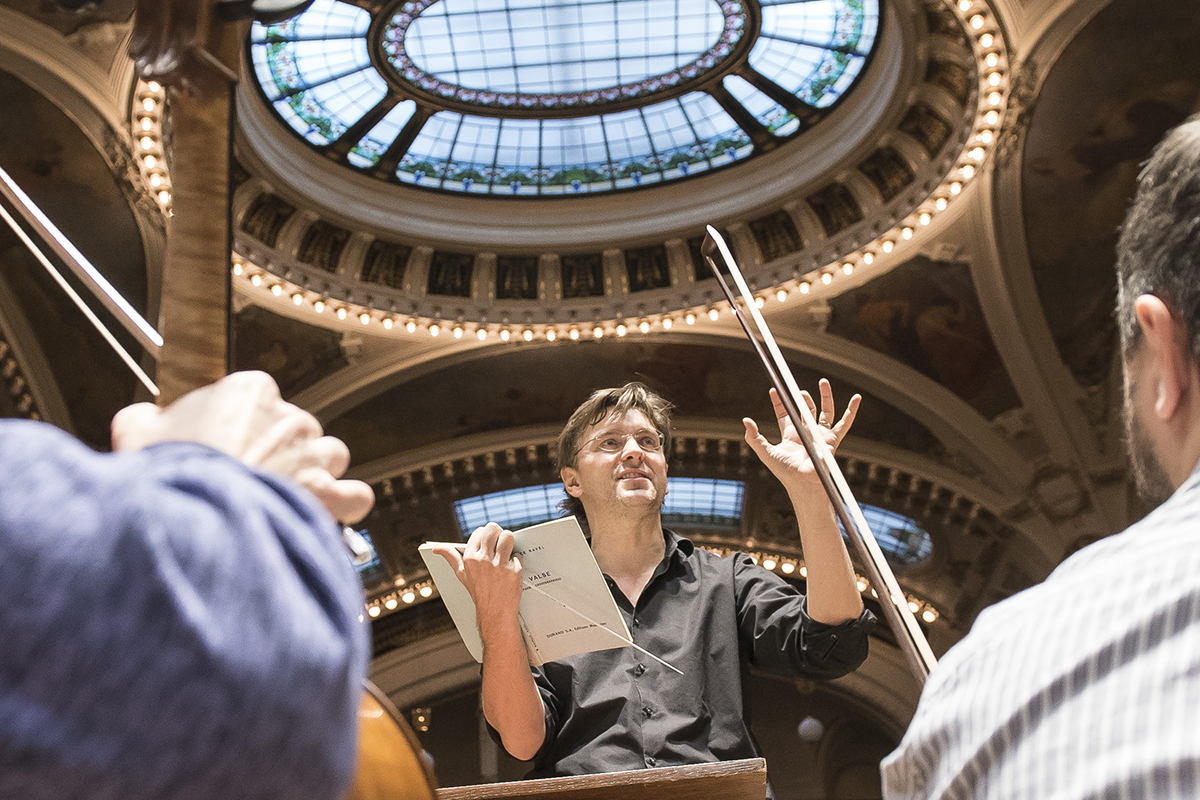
[(179, 618), (1088, 685)]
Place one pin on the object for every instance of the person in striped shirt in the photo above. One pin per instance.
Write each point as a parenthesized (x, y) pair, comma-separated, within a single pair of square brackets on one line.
[(1088, 685)]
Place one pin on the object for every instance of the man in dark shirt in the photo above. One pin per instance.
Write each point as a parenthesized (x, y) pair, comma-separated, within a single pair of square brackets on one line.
[(711, 617)]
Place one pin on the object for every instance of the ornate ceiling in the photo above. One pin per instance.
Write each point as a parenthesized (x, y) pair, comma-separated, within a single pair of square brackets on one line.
[(445, 336)]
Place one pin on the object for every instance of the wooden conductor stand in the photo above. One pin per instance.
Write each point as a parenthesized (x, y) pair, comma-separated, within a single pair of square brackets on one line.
[(724, 780)]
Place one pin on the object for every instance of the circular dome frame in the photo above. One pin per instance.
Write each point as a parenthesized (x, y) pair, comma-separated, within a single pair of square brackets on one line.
[(621, 139)]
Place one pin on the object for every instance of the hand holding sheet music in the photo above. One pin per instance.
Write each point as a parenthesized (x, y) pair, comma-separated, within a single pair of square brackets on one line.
[(566, 607)]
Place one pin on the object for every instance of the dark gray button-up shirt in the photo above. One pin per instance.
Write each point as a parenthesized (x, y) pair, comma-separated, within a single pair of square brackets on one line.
[(711, 617)]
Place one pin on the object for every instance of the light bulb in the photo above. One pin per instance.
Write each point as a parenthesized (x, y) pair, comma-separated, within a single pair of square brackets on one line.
[(621, 329), (906, 233), (868, 258), (804, 287), (597, 332), (364, 318), (505, 335), (387, 323), (781, 295), (319, 306), (481, 333), (826, 278), (690, 319), (574, 334), (527, 335), (847, 268), (341, 312), (888, 245), (297, 299), (434, 329), (458, 331), (714, 314), (551, 334), (667, 322), (411, 326), (277, 290), (644, 326)]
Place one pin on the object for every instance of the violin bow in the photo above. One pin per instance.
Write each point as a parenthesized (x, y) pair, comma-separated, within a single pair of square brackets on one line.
[(899, 617)]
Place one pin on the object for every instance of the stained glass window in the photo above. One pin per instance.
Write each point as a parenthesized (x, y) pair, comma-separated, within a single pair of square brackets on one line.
[(901, 539), (692, 500), (529, 97)]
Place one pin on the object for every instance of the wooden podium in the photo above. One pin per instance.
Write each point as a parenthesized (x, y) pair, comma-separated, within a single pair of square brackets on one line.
[(724, 780)]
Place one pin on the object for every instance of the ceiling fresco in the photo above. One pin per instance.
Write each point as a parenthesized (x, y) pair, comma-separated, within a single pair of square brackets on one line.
[(1123, 81), (926, 315)]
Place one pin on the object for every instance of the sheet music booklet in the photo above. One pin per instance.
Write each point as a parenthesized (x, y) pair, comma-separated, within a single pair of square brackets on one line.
[(565, 597)]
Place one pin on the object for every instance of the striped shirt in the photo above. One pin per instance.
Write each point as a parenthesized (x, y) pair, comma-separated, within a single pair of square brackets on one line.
[(1085, 686)]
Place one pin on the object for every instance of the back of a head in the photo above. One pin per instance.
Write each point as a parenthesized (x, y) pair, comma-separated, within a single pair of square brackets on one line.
[(1159, 249), (603, 403)]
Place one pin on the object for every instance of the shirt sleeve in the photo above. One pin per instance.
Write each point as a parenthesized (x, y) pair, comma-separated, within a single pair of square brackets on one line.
[(781, 637), (174, 624)]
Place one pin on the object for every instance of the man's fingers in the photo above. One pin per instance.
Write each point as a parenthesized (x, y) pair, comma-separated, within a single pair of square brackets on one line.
[(347, 501), (452, 555), (504, 546), (133, 425), (276, 443), (330, 453), (847, 420), (827, 407)]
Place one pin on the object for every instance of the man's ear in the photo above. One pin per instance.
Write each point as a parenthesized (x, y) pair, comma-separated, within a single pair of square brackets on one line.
[(1165, 341), (570, 479)]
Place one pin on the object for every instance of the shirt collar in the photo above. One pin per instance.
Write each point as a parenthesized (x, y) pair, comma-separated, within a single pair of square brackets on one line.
[(677, 544)]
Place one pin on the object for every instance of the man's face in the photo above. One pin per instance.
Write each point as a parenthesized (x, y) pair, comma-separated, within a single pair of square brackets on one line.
[(630, 476), (1153, 484)]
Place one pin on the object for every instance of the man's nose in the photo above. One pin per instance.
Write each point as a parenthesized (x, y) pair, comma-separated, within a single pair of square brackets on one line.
[(631, 449)]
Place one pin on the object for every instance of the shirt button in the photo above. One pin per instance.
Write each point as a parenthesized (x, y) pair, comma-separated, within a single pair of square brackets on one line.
[(651, 761), (639, 670)]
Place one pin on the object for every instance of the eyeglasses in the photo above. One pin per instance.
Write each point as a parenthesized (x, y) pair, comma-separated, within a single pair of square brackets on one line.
[(648, 441)]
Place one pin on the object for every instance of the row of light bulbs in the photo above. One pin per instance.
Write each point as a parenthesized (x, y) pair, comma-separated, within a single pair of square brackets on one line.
[(795, 566), (407, 595), (146, 127), (18, 387)]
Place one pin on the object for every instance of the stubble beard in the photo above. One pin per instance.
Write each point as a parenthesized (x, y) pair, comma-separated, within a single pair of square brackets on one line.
[(1151, 480)]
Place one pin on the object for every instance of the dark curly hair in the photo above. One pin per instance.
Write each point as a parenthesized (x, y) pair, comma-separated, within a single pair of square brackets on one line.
[(1158, 252)]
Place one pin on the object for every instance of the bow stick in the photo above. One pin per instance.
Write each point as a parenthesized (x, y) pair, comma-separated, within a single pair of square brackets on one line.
[(895, 608)]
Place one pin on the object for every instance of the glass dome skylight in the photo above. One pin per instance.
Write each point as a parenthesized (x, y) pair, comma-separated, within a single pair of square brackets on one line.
[(552, 97)]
